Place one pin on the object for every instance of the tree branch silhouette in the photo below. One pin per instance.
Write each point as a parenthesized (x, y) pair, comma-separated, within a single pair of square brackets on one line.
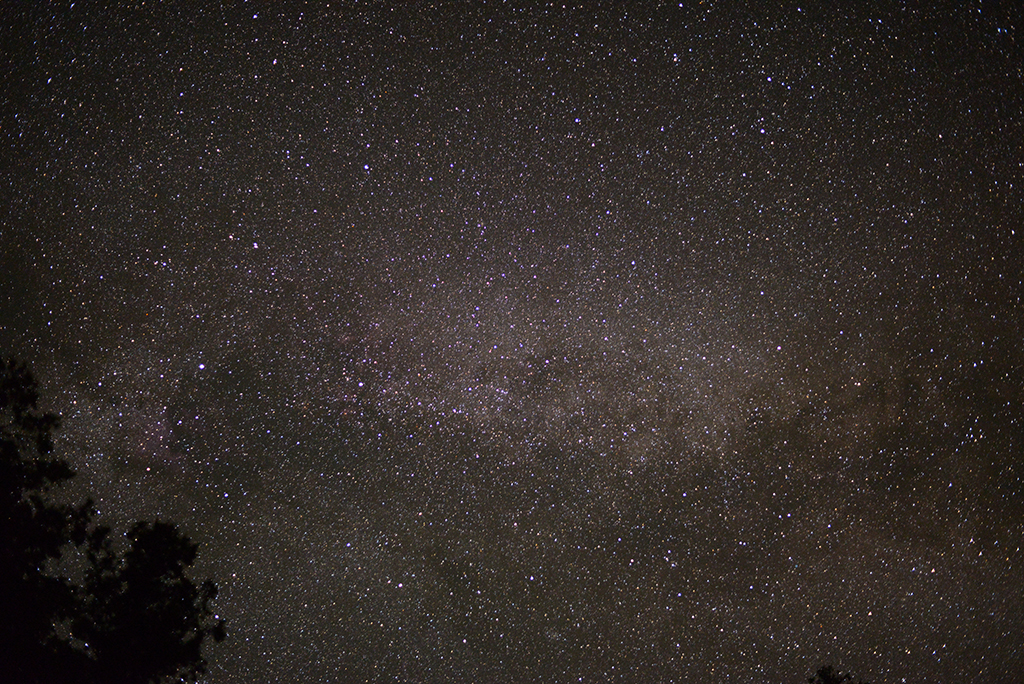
[(134, 618)]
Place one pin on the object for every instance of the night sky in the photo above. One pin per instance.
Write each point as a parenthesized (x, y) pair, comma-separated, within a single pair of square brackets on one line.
[(487, 342)]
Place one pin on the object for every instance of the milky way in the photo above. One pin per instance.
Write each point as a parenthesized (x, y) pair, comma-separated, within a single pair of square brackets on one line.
[(643, 342)]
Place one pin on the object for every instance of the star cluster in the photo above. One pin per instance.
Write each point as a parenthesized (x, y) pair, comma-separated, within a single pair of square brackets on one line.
[(514, 342)]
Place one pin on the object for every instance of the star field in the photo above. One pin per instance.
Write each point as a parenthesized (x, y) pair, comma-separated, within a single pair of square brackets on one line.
[(638, 342)]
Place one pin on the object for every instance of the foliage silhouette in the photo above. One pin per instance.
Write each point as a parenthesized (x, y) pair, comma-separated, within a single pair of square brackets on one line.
[(827, 674), (32, 532), (133, 618)]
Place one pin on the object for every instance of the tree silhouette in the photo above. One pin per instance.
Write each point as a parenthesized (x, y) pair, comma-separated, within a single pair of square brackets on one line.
[(141, 615), (134, 617), (827, 674), (33, 533)]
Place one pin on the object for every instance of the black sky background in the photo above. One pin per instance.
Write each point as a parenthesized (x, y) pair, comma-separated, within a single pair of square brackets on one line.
[(640, 342)]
